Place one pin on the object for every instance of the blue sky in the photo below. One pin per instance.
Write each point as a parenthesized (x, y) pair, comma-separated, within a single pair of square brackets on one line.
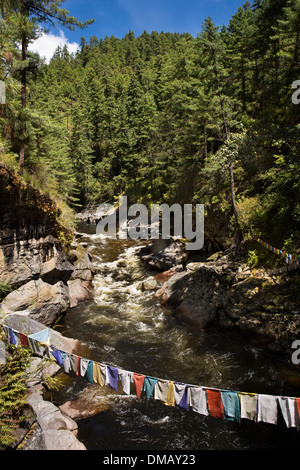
[(117, 17)]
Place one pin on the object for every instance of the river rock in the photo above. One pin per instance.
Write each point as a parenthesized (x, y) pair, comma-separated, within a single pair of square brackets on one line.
[(59, 431), (94, 213), (173, 254), (149, 284), (165, 275), (79, 291), (199, 314), (190, 295), (88, 403), (91, 401), (38, 298), (83, 267)]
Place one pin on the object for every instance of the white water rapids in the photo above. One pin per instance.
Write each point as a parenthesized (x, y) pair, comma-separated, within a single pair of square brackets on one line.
[(125, 327)]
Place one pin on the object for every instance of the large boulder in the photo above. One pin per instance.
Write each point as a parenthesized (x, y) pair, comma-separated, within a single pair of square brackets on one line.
[(83, 267), (165, 254), (46, 302), (91, 401), (190, 294), (79, 291), (58, 430), (227, 294)]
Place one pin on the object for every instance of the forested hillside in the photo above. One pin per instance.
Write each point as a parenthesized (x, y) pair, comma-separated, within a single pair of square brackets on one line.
[(161, 117)]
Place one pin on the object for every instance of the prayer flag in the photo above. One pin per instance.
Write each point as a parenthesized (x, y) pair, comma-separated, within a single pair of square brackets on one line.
[(215, 404), (138, 380)]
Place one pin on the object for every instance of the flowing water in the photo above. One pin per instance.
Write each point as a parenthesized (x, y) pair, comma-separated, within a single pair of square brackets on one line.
[(125, 327)]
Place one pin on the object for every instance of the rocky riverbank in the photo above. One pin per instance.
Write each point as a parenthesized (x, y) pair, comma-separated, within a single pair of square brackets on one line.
[(225, 292), (44, 271), (46, 427)]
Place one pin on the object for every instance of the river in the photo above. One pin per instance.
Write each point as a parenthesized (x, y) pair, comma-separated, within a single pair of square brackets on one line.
[(125, 327)]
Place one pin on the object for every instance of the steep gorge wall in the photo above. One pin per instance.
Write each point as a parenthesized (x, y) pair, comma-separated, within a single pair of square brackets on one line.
[(39, 269)]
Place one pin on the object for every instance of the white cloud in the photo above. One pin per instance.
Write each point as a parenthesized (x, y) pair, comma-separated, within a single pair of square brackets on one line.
[(46, 44)]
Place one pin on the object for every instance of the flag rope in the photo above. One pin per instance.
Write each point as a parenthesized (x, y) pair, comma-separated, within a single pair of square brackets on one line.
[(264, 406), (292, 260)]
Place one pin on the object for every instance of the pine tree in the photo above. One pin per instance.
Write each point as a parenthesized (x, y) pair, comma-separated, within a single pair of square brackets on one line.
[(239, 52), (212, 51), (287, 34), (80, 152), (33, 13)]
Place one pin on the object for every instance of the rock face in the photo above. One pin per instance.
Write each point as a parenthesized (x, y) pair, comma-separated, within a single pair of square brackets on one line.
[(28, 259), (33, 262)]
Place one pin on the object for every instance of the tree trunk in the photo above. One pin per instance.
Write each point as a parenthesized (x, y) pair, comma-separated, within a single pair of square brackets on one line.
[(2, 100), (3, 105), (243, 86), (3, 9), (238, 232), (23, 102), (205, 143)]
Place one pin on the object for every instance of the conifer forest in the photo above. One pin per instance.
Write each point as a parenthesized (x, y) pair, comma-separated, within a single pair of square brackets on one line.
[(163, 117)]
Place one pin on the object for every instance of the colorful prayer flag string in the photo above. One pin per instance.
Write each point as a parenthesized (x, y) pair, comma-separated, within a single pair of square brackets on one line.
[(218, 403), (292, 260)]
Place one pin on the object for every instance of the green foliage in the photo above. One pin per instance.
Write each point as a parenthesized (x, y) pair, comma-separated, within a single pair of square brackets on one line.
[(13, 392), (253, 259), (160, 117), (5, 289)]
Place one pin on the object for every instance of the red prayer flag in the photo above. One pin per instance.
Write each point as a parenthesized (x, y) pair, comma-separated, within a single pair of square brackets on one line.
[(215, 404), (23, 340), (139, 381)]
